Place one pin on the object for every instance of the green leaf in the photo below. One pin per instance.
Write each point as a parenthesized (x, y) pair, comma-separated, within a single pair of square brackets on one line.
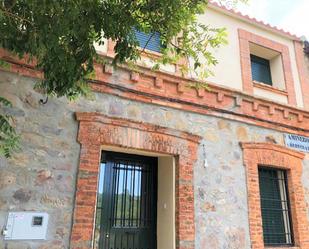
[(9, 140), (4, 64), (60, 35), (5, 102)]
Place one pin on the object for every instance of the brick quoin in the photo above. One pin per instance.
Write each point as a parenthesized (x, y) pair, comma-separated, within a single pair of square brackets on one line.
[(245, 38), (96, 130), (303, 76), (275, 156)]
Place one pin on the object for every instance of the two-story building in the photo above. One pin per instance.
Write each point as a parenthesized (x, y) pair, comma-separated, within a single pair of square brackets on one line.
[(149, 163)]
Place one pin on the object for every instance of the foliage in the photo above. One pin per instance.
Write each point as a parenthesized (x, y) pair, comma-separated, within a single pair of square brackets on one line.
[(4, 64), (9, 140), (60, 35)]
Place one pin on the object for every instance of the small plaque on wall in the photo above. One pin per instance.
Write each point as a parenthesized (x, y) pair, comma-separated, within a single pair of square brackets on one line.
[(297, 142), (26, 226)]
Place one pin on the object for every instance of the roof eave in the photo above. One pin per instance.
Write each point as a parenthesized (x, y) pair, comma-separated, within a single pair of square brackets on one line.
[(253, 21)]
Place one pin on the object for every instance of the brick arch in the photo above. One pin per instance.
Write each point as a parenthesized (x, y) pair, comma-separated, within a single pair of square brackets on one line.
[(96, 130), (275, 156)]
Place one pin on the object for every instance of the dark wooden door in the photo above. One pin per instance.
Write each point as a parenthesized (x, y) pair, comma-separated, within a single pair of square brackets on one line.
[(129, 208)]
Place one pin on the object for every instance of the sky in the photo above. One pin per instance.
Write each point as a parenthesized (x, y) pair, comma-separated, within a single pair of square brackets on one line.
[(291, 15)]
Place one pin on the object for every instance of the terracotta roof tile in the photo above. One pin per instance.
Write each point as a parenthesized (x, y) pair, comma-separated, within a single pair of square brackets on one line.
[(254, 20)]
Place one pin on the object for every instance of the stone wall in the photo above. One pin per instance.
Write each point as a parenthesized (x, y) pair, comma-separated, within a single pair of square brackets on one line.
[(42, 175)]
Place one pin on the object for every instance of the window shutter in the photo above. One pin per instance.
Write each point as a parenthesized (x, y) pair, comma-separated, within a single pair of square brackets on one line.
[(152, 40), (260, 70)]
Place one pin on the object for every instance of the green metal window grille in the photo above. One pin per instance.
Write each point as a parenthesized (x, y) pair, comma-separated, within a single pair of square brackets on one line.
[(275, 207), (260, 69)]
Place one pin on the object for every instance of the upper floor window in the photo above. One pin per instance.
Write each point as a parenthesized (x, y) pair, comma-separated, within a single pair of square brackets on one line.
[(260, 69), (150, 41), (266, 66), (275, 207)]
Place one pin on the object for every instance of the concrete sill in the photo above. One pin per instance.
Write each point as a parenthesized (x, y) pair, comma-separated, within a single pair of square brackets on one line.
[(263, 86)]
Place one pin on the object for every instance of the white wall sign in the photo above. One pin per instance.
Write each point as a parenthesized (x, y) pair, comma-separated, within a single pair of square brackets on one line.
[(297, 142), (26, 226)]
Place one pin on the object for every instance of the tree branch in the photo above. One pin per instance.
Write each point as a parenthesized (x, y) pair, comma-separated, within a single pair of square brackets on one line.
[(147, 42), (12, 15)]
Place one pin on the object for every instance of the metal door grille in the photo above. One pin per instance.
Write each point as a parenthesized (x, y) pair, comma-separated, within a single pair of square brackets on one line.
[(127, 202), (275, 207), (131, 192)]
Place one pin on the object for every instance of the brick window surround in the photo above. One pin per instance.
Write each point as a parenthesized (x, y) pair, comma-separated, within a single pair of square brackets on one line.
[(303, 76), (275, 156), (96, 130), (245, 38)]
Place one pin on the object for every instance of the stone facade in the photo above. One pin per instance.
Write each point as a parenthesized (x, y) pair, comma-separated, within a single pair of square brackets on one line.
[(42, 176), (217, 137)]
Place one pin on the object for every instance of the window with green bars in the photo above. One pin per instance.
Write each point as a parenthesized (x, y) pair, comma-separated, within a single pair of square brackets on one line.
[(260, 69), (275, 207)]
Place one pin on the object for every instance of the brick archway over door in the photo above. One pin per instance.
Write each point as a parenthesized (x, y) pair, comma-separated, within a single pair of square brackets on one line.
[(96, 130)]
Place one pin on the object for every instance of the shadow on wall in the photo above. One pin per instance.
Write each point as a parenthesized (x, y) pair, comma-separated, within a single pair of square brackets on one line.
[(306, 49)]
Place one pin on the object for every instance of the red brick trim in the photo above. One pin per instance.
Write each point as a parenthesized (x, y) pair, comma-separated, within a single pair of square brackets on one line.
[(110, 48), (272, 155), (165, 89), (96, 130), (244, 38), (303, 76)]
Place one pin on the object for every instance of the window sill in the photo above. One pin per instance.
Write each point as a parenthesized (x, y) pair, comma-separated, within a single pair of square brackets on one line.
[(150, 53), (264, 86), (282, 247), (144, 52)]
